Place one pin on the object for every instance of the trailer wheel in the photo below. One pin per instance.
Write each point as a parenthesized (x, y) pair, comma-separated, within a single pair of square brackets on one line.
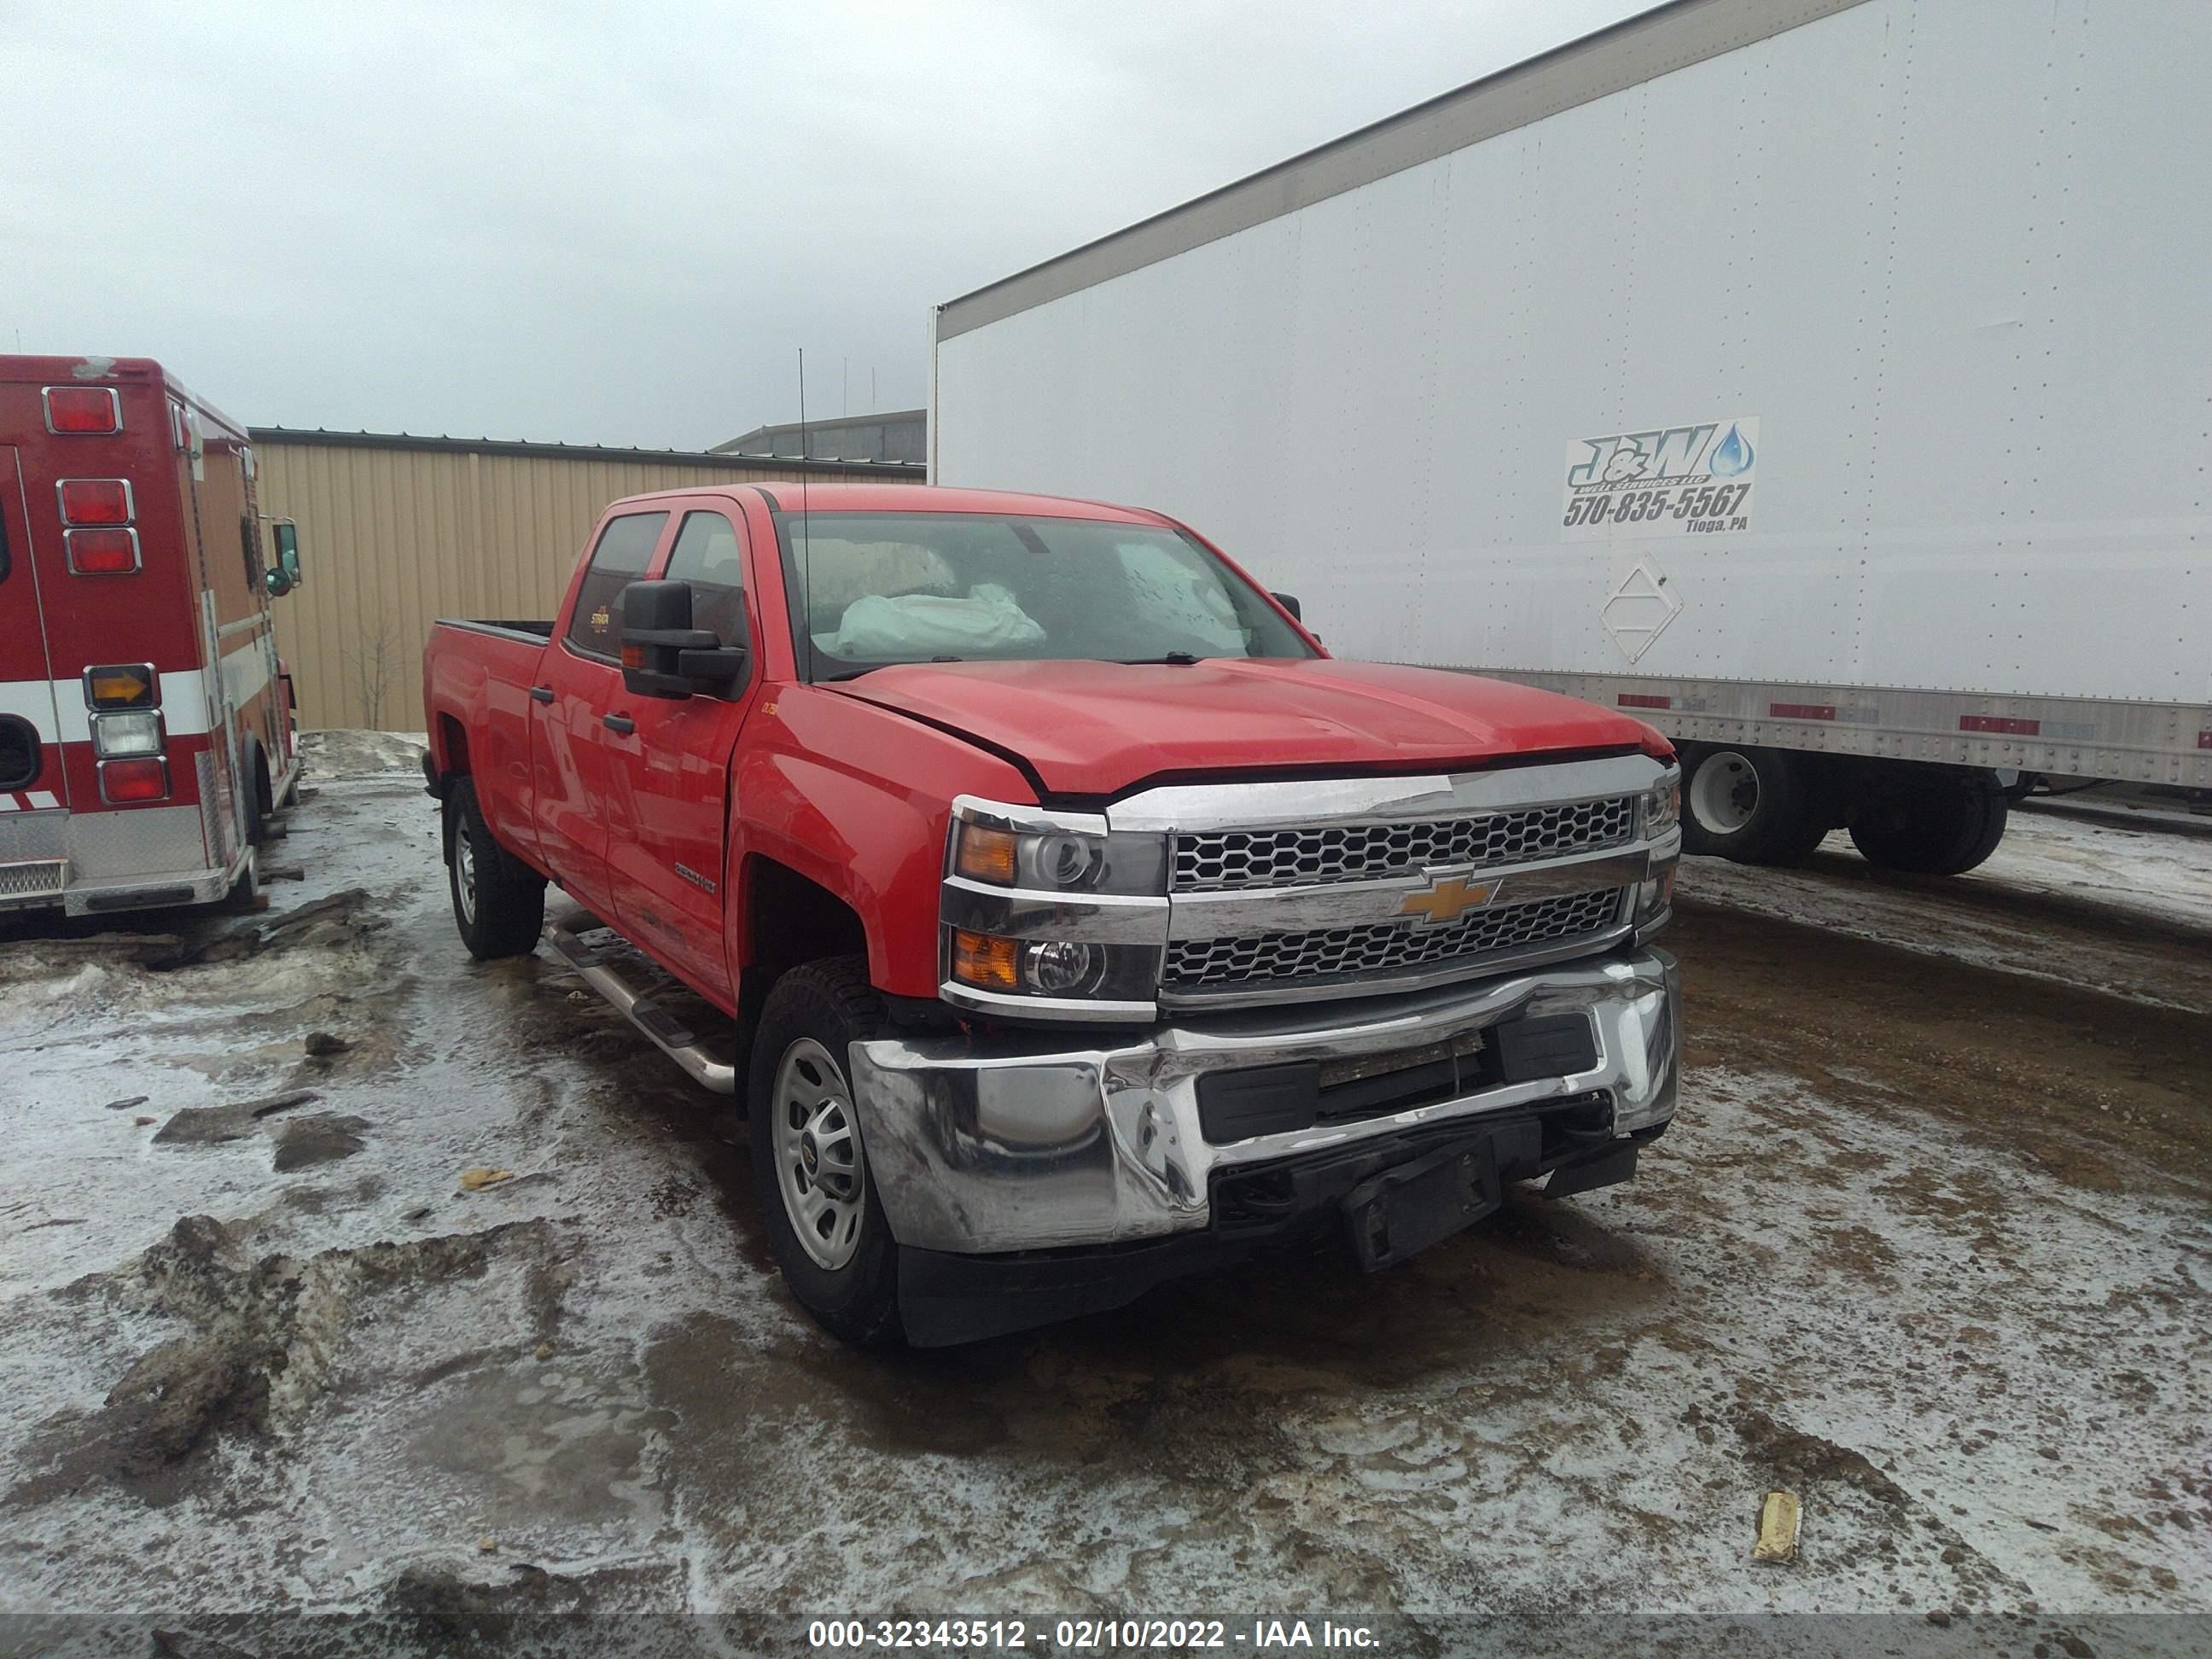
[(1754, 805), (1939, 828), (825, 1224), (499, 902)]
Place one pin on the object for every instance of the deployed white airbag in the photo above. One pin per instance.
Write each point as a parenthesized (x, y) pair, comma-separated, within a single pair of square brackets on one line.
[(923, 625)]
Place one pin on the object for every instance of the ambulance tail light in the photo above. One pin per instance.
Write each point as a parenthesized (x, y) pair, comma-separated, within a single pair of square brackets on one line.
[(97, 501), (90, 410), (101, 552), (134, 782)]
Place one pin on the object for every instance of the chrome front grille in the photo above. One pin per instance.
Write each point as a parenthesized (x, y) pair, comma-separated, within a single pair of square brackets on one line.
[(1290, 960), (1221, 861)]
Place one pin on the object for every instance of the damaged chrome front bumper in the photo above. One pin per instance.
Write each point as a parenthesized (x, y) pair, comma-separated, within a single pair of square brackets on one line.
[(1014, 1142)]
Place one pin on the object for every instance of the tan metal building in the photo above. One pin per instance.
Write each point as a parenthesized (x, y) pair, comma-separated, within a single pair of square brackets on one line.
[(396, 530)]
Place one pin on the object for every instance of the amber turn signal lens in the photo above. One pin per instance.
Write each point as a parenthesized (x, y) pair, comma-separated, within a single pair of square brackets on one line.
[(985, 854), (126, 687), (986, 961)]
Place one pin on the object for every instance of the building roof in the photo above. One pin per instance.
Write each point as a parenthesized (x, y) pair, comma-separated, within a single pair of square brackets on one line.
[(1636, 50), (876, 496), (283, 435), (770, 440)]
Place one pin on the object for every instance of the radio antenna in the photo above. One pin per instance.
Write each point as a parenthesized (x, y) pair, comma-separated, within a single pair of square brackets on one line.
[(806, 528)]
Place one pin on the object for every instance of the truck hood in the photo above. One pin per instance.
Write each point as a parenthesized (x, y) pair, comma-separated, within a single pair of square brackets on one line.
[(1099, 728)]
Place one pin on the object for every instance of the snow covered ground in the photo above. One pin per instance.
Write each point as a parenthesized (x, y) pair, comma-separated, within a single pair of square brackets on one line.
[(1929, 1246), (2086, 903)]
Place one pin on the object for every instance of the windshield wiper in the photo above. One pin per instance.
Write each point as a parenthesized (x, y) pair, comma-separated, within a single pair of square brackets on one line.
[(903, 662), (1174, 659)]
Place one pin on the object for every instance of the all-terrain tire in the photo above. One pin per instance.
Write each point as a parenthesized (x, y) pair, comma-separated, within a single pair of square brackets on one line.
[(1754, 805), (800, 1077), (499, 902), (1935, 829)]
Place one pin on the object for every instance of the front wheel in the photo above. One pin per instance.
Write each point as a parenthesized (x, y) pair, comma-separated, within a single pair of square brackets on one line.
[(499, 902), (825, 1224)]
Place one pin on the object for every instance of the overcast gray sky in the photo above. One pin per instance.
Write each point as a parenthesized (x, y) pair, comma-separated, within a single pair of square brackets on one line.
[(613, 224)]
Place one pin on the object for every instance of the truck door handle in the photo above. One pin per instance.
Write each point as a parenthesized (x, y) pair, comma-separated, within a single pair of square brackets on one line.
[(622, 723), (541, 694)]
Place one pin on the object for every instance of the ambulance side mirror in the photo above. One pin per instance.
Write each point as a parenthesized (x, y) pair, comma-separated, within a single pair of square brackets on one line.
[(285, 577)]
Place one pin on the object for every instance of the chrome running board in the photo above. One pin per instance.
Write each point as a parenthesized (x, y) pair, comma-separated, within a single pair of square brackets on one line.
[(599, 961)]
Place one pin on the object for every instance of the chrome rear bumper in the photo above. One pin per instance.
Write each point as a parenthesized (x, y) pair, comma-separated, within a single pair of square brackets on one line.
[(1022, 1142)]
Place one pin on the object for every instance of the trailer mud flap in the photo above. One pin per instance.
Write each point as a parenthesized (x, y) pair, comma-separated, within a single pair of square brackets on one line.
[(1409, 1207)]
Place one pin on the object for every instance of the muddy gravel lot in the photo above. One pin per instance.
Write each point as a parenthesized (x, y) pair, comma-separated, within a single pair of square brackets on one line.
[(341, 1275)]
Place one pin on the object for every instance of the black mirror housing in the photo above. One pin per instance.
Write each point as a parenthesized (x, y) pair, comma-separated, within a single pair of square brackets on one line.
[(662, 655), (1290, 603)]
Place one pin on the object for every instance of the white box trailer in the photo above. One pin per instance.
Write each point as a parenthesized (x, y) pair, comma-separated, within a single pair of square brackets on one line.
[(1830, 382)]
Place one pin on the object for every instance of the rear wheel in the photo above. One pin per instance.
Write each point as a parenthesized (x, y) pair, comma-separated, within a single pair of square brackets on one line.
[(499, 902), (1754, 805), (258, 804), (1939, 826), (825, 1224)]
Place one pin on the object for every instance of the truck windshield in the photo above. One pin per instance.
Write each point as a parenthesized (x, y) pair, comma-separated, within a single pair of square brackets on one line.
[(870, 589)]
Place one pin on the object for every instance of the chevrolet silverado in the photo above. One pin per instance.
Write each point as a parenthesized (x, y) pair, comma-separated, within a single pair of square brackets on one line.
[(1067, 918)]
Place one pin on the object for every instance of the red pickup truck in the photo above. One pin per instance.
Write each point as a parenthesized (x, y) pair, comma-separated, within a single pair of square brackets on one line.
[(1068, 918)]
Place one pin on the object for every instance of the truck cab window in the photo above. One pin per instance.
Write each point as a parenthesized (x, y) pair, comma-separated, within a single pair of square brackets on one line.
[(625, 548), (707, 555)]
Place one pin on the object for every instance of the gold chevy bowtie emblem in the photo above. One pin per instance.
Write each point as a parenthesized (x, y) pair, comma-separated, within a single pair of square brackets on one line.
[(1447, 899)]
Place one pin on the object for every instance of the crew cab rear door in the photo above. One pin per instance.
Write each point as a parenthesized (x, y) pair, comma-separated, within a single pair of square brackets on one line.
[(31, 771), (671, 807)]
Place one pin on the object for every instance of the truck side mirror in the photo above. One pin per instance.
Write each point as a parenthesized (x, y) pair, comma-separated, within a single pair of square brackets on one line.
[(285, 577), (663, 655), (1290, 603)]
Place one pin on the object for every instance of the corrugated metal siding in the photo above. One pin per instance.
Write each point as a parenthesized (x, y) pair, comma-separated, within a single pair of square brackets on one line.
[(391, 538)]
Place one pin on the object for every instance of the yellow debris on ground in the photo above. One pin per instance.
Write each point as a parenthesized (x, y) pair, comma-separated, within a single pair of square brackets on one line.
[(1777, 1528)]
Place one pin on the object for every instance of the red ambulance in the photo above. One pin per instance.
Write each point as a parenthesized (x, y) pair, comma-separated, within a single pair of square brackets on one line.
[(146, 725)]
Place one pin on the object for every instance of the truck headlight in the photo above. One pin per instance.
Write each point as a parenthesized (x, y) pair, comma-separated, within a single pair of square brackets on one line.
[(1662, 804), (1059, 968), (114, 736), (1051, 908), (1035, 852)]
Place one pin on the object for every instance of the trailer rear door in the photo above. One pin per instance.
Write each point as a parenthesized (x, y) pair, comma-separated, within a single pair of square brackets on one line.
[(31, 772)]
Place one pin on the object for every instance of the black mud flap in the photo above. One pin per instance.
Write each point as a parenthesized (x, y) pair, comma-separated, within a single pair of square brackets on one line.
[(1410, 1207)]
